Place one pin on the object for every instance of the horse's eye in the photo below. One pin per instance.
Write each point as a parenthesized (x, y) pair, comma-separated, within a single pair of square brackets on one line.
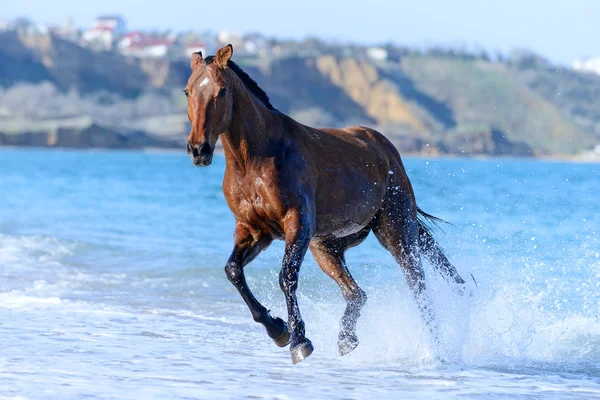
[(222, 92), (186, 92)]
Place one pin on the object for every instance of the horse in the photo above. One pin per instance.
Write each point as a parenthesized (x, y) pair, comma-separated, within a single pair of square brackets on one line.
[(318, 189)]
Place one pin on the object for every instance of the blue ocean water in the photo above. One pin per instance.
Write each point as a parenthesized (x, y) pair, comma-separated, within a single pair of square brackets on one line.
[(112, 286)]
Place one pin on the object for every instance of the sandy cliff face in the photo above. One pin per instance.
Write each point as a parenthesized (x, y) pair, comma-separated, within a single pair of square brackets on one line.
[(378, 96)]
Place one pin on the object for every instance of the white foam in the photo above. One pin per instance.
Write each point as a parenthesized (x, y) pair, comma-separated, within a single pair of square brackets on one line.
[(20, 251), (18, 301)]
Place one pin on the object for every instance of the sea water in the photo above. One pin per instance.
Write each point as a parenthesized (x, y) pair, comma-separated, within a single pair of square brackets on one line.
[(112, 286)]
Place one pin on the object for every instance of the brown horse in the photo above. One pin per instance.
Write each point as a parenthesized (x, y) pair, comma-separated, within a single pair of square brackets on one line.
[(317, 189)]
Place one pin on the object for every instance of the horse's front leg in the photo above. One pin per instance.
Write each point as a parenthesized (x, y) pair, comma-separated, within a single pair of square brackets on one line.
[(245, 249), (298, 234)]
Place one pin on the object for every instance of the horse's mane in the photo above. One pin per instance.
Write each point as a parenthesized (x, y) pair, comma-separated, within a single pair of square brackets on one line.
[(250, 84)]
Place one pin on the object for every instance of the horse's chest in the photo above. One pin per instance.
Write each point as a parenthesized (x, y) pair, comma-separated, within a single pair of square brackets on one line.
[(255, 203)]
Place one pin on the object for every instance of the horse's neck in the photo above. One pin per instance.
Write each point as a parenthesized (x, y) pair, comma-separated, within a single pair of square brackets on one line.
[(250, 130)]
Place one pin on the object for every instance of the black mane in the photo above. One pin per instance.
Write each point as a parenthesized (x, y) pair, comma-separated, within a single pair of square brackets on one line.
[(250, 84)]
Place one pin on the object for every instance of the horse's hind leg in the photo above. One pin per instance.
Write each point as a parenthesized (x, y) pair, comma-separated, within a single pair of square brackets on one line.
[(330, 256), (246, 248), (396, 227)]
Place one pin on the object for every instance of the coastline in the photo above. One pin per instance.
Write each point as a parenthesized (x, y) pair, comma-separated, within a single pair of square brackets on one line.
[(588, 158)]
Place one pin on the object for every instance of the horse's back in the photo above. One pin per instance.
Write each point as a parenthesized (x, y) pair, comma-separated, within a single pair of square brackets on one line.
[(359, 144), (362, 137), (353, 168)]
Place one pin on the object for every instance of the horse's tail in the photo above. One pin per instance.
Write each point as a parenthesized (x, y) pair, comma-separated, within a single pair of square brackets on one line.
[(432, 250)]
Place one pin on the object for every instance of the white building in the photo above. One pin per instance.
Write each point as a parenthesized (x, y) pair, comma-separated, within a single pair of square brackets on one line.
[(194, 47), (114, 23), (136, 44), (377, 53), (589, 65), (226, 37), (129, 39), (106, 31), (256, 44), (99, 38)]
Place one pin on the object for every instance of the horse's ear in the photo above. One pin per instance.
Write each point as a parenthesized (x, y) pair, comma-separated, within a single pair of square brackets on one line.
[(223, 55), (196, 60)]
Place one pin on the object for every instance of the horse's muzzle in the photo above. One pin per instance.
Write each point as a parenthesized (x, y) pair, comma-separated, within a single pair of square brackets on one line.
[(201, 155)]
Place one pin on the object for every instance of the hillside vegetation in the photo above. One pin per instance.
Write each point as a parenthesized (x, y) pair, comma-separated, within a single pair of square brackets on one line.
[(55, 93)]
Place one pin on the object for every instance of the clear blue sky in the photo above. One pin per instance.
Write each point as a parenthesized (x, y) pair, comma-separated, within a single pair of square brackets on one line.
[(561, 30)]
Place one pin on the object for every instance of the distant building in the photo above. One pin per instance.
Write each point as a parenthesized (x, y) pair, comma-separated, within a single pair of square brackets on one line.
[(98, 38), (285, 48), (130, 38), (227, 37), (591, 65), (106, 31), (377, 53), (194, 47), (256, 44), (137, 44), (115, 23)]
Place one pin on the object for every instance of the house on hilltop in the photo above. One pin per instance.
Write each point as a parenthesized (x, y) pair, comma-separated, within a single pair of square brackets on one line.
[(114, 23), (138, 44), (194, 47), (105, 32), (589, 65)]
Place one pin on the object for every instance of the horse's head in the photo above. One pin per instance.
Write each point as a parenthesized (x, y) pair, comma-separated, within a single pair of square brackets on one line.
[(210, 104)]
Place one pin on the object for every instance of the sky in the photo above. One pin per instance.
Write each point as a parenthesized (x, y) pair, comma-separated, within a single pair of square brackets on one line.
[(559, 30)]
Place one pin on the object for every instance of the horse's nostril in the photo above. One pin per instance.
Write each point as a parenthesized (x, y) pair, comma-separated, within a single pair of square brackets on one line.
[(189, 148), (205, 150)]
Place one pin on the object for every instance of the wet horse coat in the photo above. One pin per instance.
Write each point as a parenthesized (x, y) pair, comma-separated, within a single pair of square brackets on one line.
[(318, 189)]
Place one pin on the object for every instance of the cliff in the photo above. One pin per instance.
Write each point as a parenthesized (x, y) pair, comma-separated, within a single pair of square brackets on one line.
[(424, 103)]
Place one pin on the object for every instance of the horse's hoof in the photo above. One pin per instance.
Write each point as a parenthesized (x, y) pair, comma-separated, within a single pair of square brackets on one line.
[(301, 351), (285, 337), (347, 343)]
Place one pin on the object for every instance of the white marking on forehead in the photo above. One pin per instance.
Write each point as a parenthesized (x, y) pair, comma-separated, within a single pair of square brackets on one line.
[(205, 82)]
